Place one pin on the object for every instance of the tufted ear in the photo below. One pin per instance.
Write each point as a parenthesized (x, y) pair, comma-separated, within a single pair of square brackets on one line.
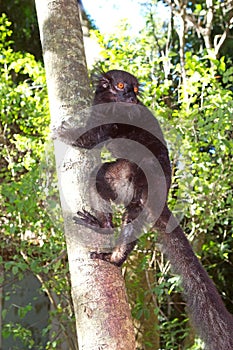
[(96, 76), (104, 82), (100, 80)]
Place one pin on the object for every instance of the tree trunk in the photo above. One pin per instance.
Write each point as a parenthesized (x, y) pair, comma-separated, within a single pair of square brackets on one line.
[(101, 308)]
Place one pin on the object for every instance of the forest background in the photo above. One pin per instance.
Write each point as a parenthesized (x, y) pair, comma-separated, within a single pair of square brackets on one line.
[(185, 67)]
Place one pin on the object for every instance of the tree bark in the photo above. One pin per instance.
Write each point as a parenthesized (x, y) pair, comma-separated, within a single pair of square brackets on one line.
[(102, 311)]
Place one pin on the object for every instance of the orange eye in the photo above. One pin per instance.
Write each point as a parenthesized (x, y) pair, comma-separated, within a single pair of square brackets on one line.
[(120, 85), (135, 89)]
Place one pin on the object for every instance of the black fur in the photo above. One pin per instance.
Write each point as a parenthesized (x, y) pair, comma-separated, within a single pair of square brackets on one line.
[(206, 308)]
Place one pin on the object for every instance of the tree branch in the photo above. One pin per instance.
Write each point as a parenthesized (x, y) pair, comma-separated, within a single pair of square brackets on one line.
[(218, 43)]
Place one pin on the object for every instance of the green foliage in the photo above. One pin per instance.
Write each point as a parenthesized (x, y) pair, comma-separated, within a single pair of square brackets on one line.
[(24, 130), (196, 116), (24, 26), (18, 332), (31, 235)]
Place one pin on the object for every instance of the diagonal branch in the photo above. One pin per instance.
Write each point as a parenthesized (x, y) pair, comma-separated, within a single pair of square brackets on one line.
[(218, 43)]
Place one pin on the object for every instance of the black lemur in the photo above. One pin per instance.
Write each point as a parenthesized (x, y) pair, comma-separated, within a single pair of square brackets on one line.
[(206, 308)]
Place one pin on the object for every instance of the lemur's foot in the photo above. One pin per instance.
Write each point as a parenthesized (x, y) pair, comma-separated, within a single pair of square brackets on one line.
[(118, 256)]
